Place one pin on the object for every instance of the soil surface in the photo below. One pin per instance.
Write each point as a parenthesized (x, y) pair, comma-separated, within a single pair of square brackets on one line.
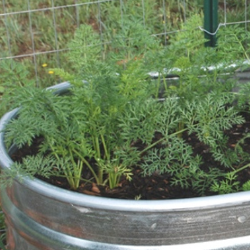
[(157, 186)]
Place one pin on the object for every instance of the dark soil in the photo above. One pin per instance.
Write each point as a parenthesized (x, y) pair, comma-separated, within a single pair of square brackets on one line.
[(155, 186)]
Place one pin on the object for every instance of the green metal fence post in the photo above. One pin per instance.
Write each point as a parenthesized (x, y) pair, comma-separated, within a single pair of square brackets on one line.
[(210, 21)]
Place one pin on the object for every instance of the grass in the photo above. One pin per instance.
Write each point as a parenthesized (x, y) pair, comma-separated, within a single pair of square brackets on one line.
[(2, 231), (46, 29), (40, 36)]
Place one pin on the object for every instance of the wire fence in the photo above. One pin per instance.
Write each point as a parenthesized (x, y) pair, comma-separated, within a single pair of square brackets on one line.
[(35, 32)]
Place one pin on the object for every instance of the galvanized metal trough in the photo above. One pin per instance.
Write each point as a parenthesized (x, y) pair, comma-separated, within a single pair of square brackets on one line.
[(42, 216)]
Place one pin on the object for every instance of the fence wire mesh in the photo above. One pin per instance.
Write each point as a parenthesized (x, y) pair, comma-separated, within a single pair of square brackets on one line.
[(35, 32)]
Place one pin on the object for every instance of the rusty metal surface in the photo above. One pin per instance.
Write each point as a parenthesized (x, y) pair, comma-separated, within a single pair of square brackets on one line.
[(41, 222), (42, 216)]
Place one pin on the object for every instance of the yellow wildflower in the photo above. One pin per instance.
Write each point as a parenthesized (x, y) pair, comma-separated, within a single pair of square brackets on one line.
[(44, 65), (51, 72)]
